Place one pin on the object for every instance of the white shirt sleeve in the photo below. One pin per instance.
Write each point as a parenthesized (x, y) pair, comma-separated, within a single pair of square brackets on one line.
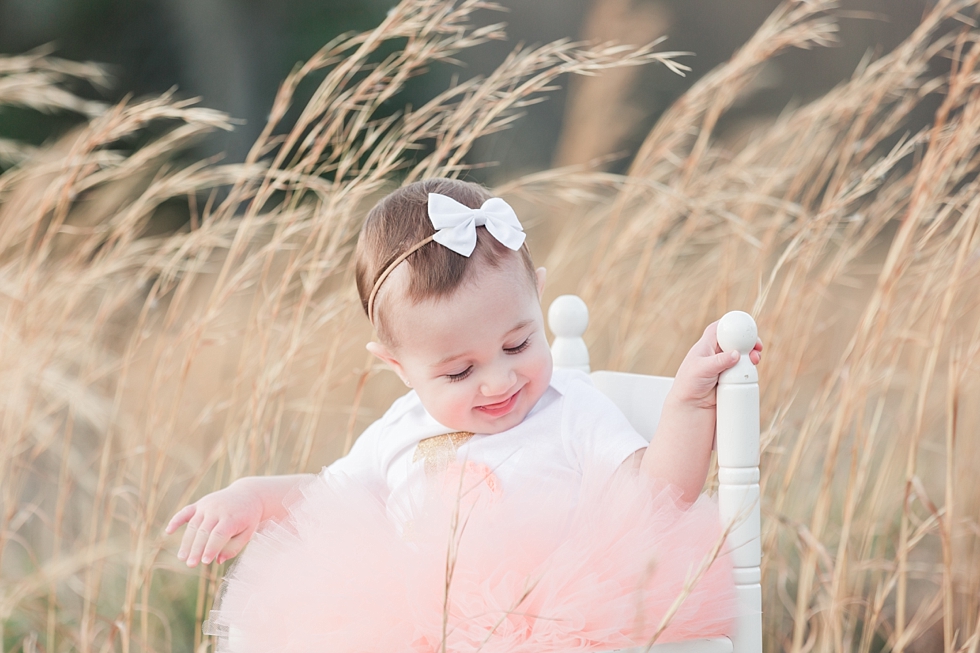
[(594, 430), (363, 462)]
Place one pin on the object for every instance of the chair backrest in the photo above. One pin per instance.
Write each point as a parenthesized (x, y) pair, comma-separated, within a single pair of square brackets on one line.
[(641, 399)]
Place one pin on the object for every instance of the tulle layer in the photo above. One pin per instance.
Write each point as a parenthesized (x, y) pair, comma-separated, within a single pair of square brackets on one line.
[(519, 572)]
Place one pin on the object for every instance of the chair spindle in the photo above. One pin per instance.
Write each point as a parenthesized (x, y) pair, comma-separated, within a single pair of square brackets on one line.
[(568, 318), (738, 474)]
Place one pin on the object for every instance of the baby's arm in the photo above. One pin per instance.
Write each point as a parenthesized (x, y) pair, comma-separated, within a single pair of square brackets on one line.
[(220, 524), (681, 448)]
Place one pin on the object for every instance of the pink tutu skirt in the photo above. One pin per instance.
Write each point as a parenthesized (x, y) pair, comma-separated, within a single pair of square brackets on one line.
[(597, 568)]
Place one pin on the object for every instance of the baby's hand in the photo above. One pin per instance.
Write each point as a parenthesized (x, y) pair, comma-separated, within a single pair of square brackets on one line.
[(697, 377), (219, 524)]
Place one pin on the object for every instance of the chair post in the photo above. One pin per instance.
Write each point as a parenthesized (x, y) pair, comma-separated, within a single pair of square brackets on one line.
[(738, 475), (568, 317)]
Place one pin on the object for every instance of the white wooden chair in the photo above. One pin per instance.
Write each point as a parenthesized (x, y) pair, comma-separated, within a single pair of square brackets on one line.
[(641, 398)]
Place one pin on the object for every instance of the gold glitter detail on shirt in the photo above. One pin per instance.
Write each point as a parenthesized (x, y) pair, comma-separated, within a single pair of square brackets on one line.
[(439, 451)]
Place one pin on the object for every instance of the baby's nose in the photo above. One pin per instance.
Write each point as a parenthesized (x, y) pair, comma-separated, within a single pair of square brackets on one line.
[(498, 381)]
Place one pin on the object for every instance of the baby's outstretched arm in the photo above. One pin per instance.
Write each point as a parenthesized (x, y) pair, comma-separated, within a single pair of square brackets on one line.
[(681, 448), (220, 524)]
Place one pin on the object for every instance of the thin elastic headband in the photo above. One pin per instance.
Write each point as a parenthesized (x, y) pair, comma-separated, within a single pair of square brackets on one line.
[(388, 270)]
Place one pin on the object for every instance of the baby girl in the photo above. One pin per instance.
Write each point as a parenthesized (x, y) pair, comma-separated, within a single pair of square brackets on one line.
[(500, 504)]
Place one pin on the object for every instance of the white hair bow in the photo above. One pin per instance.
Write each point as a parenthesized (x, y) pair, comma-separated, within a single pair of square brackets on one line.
[(456, 223)]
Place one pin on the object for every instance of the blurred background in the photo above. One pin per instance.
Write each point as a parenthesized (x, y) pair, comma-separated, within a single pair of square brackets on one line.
[(234, 53), (177, 311)]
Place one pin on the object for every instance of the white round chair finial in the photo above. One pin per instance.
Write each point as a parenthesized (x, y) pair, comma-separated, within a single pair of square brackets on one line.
[(737, 331), (568, 317)]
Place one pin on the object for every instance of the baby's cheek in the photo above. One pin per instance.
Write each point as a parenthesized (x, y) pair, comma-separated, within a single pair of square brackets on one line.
[(452, 410)]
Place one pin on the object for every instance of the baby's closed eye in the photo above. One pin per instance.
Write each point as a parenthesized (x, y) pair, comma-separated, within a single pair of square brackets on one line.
[(459, 376), (519, 348)]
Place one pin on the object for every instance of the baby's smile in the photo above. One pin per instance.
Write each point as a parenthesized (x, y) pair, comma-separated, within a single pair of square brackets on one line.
[(501, 408)]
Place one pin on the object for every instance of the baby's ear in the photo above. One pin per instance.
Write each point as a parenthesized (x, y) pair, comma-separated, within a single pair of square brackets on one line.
[(540, 274), (386, 356)]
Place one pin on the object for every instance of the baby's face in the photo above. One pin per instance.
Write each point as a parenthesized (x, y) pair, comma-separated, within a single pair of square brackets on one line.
[(479, 359)]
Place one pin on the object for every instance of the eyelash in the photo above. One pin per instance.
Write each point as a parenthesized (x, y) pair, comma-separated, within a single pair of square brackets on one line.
[(511, 350), (519, 348), (459, 377)]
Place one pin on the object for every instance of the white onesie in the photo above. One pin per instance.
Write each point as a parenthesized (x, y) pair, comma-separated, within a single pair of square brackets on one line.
[(572, 425)]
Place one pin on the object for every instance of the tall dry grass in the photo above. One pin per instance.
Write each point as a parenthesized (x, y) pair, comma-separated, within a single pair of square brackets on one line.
[(140, 371)]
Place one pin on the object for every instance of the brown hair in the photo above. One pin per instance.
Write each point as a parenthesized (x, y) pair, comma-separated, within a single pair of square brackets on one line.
[(399, 222)]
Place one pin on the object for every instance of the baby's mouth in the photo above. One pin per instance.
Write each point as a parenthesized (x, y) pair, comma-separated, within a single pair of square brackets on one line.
[(501, 407)]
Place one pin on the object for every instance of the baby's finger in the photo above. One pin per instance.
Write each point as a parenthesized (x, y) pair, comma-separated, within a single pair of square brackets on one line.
[(182, 517), (219, 538), (710, 336), (235, 545), (200, 540), (714, 365), (193, 526)]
